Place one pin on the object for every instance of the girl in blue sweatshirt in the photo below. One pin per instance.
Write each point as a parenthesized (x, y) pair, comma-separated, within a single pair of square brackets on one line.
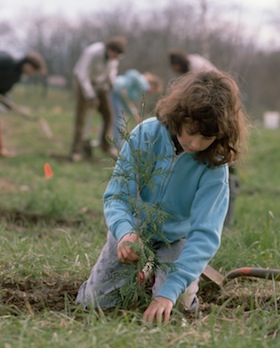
[(170, 188)]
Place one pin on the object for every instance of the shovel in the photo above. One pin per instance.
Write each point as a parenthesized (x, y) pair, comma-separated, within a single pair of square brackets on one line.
[(210, 274), (19, 110)]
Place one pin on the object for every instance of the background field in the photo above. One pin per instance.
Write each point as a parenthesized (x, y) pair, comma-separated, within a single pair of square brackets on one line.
[(51, 232)]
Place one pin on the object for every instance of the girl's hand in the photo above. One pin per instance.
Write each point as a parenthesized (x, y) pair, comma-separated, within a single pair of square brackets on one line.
[(159, 309), (125, 252)]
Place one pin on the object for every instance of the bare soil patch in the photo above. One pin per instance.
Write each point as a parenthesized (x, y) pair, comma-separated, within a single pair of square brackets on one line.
[(31, 296), (19, 217), (58, 293)]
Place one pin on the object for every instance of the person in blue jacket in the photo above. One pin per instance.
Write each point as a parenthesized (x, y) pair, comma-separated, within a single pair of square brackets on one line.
[(128, 90), (183, 155)]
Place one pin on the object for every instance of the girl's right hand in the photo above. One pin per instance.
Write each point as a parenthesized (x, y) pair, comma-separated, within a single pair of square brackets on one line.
[(159, 310), (125, 252)]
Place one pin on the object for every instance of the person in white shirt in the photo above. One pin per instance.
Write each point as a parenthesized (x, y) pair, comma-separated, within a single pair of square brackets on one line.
[(182, 62), (94, 74)]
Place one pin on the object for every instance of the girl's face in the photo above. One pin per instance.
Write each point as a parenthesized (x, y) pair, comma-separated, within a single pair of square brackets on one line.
[(194, 142)]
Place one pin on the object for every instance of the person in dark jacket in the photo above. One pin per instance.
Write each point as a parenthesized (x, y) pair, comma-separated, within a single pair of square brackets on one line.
[(11, 72)]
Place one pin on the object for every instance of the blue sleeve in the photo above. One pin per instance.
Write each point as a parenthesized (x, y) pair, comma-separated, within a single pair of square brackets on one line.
[(123, 189)]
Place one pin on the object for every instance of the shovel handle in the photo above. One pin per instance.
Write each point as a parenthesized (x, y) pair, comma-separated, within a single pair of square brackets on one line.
[(14, 107), (264, 273)]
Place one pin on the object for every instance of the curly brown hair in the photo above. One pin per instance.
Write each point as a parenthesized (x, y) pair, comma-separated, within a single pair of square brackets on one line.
[(210, 102)]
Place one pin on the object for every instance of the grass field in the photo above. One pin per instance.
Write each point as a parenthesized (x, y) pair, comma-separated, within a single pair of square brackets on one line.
[(52, 230)]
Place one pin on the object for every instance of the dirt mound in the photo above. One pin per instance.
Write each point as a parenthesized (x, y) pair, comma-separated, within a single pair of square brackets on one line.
[(248, 293)]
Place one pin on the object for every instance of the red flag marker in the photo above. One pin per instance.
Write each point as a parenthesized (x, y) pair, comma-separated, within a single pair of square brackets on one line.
[(48, 171)]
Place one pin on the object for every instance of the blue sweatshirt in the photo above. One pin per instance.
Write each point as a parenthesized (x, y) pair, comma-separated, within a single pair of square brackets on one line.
[(194, 197)]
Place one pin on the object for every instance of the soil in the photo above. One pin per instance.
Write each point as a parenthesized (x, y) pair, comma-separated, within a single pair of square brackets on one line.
[(17, 217), (58, 293), (32, 296)]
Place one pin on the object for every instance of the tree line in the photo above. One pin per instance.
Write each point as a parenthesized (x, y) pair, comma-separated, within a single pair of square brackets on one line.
[(191, 27)]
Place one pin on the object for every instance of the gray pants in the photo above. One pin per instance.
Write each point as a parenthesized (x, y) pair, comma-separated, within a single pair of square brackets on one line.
[(106, 275)]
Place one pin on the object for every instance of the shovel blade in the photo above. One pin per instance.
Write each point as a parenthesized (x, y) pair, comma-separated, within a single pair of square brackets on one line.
[(210, 274)]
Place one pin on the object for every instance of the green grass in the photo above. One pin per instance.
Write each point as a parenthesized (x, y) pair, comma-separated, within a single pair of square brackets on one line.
[(52, 230)]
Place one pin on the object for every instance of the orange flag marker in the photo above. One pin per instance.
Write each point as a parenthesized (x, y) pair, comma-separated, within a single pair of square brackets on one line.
[(48, 171)]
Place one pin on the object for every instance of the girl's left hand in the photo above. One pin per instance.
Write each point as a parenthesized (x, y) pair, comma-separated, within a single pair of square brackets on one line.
[(160, 310)]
